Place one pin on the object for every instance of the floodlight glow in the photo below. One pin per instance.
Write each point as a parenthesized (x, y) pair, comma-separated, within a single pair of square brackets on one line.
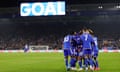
[(100, 7)]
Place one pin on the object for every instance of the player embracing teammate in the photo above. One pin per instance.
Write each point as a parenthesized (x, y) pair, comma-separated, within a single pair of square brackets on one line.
[(83, 48)]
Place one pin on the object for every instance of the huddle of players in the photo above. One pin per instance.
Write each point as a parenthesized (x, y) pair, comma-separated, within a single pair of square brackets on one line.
[(82, 48)]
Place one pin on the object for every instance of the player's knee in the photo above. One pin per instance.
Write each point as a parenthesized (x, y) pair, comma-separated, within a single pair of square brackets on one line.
[(86, 57), (79, 58)]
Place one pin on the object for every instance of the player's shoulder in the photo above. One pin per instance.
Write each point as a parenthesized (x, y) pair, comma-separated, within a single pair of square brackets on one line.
[(81, 35), (90, 35), (95, 38), (73, 36), (68, 35)]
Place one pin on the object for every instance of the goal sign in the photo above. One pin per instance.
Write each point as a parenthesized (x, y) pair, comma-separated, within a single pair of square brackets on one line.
[(42, 8)]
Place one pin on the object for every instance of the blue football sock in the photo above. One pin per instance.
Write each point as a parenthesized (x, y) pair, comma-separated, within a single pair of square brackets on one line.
[(86, 62), (66, 62), (96, 62), (73, 62), (80, 63), (91, 62)]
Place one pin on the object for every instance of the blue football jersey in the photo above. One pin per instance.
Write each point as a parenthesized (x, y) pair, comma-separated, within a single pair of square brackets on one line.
[(86, 39), (74, 41), (78, 40), (26, 46), (67, 42), (95, 44)]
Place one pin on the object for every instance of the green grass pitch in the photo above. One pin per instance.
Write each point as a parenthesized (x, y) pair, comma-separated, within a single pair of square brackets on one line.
[(51, 62)]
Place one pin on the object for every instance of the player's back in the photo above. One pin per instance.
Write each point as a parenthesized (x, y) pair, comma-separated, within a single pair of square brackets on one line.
[(67, 42), (74, 41), (86, 40), (78, 40)]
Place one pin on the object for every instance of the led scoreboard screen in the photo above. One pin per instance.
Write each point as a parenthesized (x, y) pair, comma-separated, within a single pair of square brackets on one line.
[(42, 8)]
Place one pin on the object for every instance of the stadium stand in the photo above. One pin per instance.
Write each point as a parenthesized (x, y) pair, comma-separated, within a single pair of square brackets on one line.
[(37, 35), (16, 31)]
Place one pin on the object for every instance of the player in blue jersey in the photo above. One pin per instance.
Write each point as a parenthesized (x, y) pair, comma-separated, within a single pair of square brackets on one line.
[(73, 52), (66, 48), (95, 51), (26, 49), (95, 54), (79, 51), (87, 39)]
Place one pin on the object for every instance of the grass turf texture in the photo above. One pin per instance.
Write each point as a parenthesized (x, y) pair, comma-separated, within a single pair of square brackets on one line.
[(51, 62)]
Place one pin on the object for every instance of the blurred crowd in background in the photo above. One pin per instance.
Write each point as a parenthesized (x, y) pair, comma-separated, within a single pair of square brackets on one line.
[(16, 37)]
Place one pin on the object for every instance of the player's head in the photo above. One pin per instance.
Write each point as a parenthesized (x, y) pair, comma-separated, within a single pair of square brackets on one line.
[(80, 32), (85, 30), (74, 33), (91, 31), (66, 33)]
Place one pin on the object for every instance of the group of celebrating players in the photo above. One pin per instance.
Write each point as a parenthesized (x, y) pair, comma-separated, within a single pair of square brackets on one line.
[(81, 47)]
